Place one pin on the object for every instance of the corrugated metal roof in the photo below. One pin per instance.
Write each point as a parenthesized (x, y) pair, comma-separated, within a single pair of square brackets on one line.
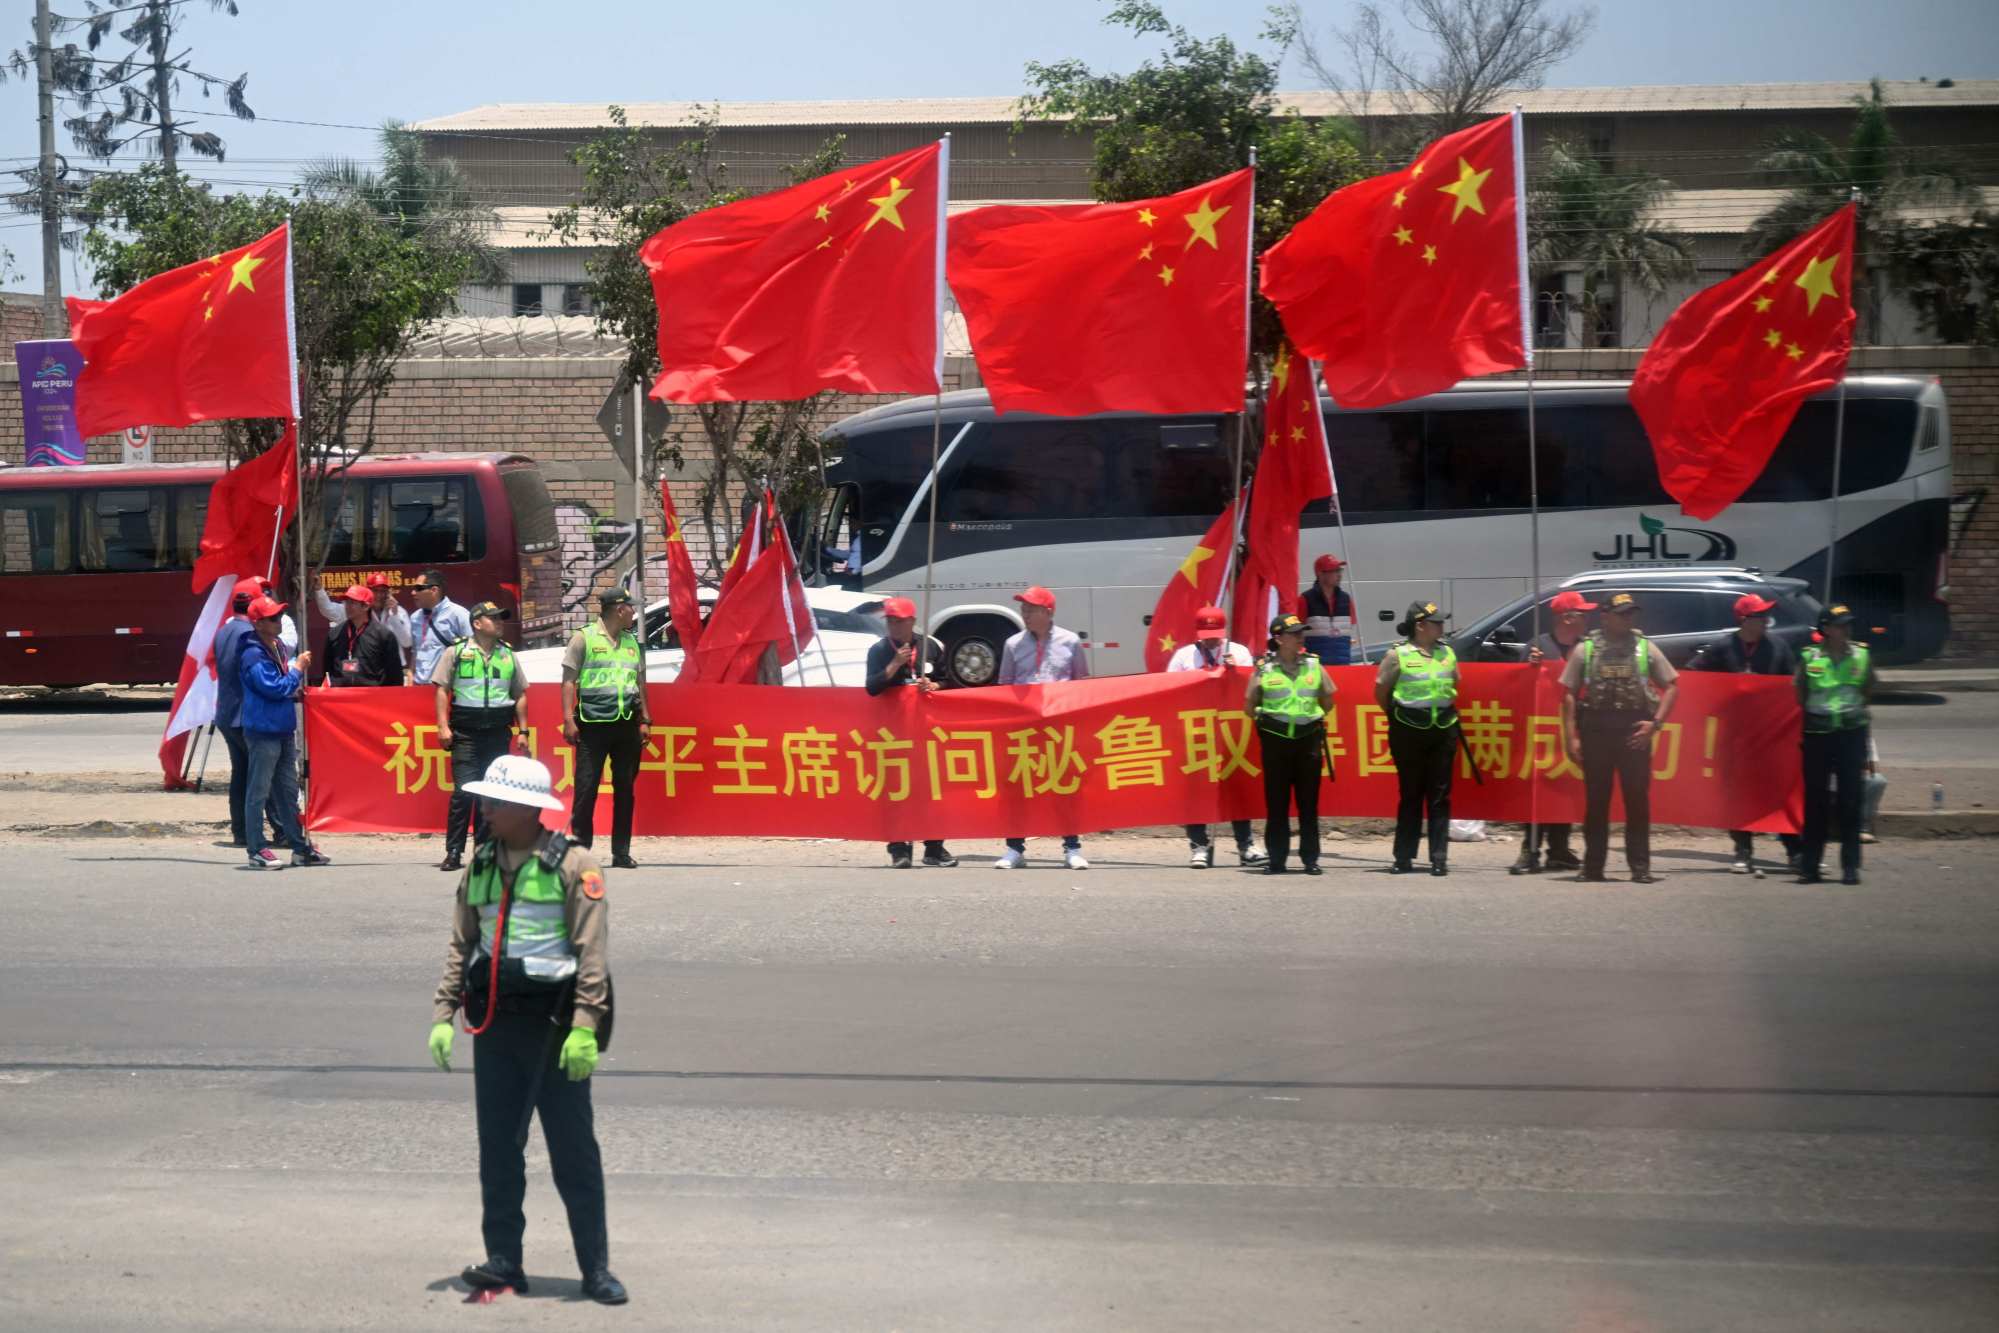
[(946, 111), (462, 337), (525, 227)]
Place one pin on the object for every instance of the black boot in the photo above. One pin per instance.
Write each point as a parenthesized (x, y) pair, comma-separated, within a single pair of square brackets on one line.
[(496, 1272), (604, 1289)]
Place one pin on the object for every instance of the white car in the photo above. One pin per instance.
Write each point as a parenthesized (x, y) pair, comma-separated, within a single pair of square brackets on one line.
[(849, 624)]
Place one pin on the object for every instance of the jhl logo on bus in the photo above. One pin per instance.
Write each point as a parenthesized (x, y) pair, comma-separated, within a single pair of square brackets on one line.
[(1660, 542)]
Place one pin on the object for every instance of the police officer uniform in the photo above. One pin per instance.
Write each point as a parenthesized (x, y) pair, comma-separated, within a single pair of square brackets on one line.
[(1289, 705), (1834, 691), (482, 692), (539, 909), (1421, 685), (1614, 686), (610, 723)]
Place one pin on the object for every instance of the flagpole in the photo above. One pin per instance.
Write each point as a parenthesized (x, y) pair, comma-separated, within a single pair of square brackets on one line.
[(1838, 442), (1533, 443), (277, 535), (1339, 511), (639, 501), (936, 412)]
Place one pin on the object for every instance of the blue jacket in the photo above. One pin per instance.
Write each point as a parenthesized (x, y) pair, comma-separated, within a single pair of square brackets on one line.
[(268, 691), (229, 642)]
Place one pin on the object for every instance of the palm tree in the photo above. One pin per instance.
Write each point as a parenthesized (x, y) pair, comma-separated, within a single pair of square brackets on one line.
[(420, 198), (1822, 176), (1581, 215)]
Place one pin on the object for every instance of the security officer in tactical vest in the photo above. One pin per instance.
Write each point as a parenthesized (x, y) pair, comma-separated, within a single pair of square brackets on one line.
[(1417, 686), (528, 966), (1835, 684), (1616, 691), (1289, 696), (604, 716), (482, 704)]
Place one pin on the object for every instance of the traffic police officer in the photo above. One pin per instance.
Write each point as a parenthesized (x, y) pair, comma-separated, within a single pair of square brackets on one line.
[(1616, 691), (535, 903), (604, 716), (1835, 682), (482, 702), (1289, 696), (1417, 686)]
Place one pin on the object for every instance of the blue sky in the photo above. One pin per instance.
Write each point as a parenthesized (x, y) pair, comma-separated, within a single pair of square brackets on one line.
[(358, 62)]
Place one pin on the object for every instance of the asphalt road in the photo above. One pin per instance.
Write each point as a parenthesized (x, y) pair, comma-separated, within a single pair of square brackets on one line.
[(1141, 1097)]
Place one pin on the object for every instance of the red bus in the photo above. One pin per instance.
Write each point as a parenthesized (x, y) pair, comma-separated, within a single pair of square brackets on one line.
[(95, 561)]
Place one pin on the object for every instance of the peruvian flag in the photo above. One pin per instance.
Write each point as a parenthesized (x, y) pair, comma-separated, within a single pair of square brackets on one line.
[(194, 695)]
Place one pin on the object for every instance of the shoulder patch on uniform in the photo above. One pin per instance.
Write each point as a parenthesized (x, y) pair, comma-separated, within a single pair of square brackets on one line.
[(592, 884)]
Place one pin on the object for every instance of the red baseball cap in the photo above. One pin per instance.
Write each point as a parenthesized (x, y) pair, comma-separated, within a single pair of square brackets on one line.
[(1570, 601), (1210, 622), (1326, 562), (1036, 596), (264, 608), (1749, 604), (378, 580), (251, 588), (358, 593), (899, 608)]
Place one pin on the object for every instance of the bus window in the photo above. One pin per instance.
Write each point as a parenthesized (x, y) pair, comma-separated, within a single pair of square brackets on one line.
[(1596, 456), (1476, 460), (894, 463), (1879, 435), (534, 512), (1037, 470), (1179, 471), (340, 507), (190, 516), (420, 521), (124, 531), (34, 532), (1377, 460)]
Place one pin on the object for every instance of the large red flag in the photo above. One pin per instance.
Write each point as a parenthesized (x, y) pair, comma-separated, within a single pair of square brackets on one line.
[(199, 343), (1292, 470), (833, 284), (246, 511), (1409, 282), (1197, 583), (682, 590), (1720, 383), (1137, 307)]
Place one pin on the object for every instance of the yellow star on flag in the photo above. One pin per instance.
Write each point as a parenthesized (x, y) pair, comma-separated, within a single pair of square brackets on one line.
[(1166, 644), (1297, 434), (1401, 197), (1771, 276), (887, 205), (1465, 189), (1429, 254), (1146, 253), (822, 213), (1795, 352), (1166, 275), (827, 243), (1202, 223), (240, 271), (1403, 236), (1762, 304), (1147, 216), (1772, 338), (1816, 281), (1280, 371), (1190, 568), (1417, 171)]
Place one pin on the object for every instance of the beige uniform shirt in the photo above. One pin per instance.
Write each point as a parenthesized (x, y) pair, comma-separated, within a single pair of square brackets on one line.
[(588, 919)]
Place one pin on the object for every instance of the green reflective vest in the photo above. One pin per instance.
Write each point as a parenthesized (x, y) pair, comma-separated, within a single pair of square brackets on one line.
[(483, 682), (536, 924), (1835, 697), (1291, 701), (1425, 682), (609, 679)]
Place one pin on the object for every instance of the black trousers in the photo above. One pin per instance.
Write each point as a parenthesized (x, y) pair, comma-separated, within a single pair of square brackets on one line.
[(1745, 843), (595, 742), (1424, 759), (1554, 837), (1291, 772), (1197, 834), (504, 1059), (931, 847), (1609, 760), (473, 747), (1838, 758)]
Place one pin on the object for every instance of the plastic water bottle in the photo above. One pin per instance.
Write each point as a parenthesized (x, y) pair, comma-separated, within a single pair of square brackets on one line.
[(1936, 796)]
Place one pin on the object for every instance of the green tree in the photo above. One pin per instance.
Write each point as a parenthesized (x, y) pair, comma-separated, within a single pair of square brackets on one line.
[(423, 200), (1196, 112), (363, 291), (1949, 271), (636, 182), (1582, 216), (1820, 176)]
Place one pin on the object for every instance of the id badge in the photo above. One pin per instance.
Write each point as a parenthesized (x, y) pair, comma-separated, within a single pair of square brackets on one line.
[(349, 666)]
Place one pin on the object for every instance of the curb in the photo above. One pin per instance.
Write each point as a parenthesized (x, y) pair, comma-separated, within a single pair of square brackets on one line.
[(1937, 823), (1892, 683)]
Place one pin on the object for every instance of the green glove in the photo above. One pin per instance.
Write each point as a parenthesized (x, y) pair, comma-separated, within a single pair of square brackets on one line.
[(440, 1045), (579, 1054)]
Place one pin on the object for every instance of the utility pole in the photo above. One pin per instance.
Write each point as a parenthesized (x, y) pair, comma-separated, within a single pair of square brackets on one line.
[(55, 322), (162, 83)]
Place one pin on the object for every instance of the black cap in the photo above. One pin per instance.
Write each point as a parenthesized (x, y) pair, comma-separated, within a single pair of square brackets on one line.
[(1622, 602), (1839, 613), (1286, 625), (611, 597), (1419, 611), (492, 609)]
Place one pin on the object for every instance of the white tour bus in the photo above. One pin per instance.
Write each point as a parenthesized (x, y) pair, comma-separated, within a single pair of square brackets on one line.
[(1103, 509)]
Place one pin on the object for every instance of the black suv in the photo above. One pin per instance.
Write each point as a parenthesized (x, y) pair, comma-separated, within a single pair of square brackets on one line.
[(1684, 610)]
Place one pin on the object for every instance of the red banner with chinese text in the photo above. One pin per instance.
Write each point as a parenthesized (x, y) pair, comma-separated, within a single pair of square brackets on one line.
[(1116, 752)]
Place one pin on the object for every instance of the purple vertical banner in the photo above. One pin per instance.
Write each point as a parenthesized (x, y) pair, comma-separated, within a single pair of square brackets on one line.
[(49, 370)]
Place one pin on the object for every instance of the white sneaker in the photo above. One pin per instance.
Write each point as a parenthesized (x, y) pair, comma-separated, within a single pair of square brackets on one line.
[(1739, 868), (1011, 861), (1200, 858), (1253, 855), (1074, 857)]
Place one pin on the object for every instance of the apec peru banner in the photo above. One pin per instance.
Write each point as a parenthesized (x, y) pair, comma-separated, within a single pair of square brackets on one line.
[(1117, 752)]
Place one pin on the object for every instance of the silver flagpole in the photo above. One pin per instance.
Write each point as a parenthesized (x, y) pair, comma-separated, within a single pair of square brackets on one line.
[(1533, 450), (1339, 514), (1838, 442), (936, 413)]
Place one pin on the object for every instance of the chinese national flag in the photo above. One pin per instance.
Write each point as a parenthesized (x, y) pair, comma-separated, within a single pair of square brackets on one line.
[(246, 511), (203, 342), (682, 589), (766, 609), (832, 284), (1292, 470), (1720, 383), (1404, 284), (1197, 583), (1083, 308)]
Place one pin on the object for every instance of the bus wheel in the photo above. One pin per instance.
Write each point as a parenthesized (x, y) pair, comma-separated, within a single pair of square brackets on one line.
[(972, 650)]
